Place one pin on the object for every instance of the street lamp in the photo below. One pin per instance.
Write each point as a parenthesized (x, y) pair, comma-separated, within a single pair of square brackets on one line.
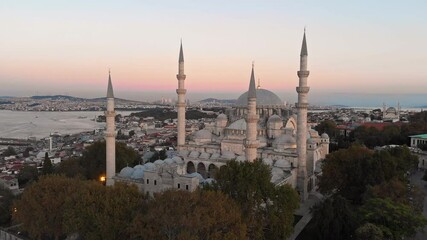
[(102, 179)]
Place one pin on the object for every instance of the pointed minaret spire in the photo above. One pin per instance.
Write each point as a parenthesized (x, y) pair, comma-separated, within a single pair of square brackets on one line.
[(304, 46), (181, 54), (110, 135), (302, 90), (251, 143), (181, 103), (252, 89), (110, 92)]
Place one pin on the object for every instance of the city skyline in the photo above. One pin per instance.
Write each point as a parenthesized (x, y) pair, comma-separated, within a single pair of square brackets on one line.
[(363, 53)]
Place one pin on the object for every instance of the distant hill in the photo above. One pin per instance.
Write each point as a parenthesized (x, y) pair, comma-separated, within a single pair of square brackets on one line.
[(57, 97), (214, 100), (71, 98), (6, 97)]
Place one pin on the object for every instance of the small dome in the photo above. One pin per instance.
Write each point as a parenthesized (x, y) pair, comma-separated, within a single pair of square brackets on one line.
[(241, 158), (228, 155), (195, 174), (177, 160), (209, 181), (204, 155), (139, 167), (126, 172), (183, 153), (282, 163), (138, 173), (222, 117), (159, 162), (276, 174), (194, 154), (238, 125), (169, 161), (215, 156), (285, 141), (325, 135), (274, 119), (203, 134), (267, 161), (150, 166)]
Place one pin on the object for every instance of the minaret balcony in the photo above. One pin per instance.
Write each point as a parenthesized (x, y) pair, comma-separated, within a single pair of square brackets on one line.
[(302, 89), (181, 76), (301, 105), (181, 91), (303, 73), (109, 134)]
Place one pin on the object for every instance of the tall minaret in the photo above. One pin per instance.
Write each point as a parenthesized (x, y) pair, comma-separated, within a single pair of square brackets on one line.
[(251, 142), (181, 100), (302, 105), (110, 135)]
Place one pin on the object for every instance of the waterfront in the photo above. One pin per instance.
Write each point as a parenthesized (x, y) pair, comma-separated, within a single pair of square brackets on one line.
[(17, 124)]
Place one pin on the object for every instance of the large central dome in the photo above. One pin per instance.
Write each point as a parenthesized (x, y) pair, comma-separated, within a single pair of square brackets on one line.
[(263, 98)]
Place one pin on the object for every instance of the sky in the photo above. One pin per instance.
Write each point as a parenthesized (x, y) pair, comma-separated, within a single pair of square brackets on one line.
[(360, 52)]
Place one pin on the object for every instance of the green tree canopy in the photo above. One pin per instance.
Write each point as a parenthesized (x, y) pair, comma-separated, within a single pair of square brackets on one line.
[(10, 151), (395, 220), (177, 214), (47, 165), (267, 209), (27, 175), (92, 164), (327, 126), (6, 199)]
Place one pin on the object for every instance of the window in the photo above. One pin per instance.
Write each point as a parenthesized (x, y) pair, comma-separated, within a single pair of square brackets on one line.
[(148, 181), (179, 185), (186, 187), (155, 182)]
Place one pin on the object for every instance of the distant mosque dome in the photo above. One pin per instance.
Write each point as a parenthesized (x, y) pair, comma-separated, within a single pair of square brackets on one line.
[(263, 98), (222, 116)]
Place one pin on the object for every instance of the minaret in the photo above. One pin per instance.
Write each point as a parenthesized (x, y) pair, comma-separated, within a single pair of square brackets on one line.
[(110, 135), (181, 100), (251, 143), (302, 105)]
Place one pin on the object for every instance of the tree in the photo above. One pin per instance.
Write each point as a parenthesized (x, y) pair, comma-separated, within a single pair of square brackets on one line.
[(6, 199), (103, 212), (27, 175), (93, 160), (71, 168), (267, 209), (46, 200), (333, 219), (369, 231), (396, 220), (329, 127), (178, 214), (47, 165), (10, 151)]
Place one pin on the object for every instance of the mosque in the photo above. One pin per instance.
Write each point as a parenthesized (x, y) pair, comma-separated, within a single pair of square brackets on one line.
[(259, 126)]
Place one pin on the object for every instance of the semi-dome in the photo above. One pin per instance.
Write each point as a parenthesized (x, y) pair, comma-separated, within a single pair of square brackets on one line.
[(282, 163), (285, 141), (238, 125), (267, 161), (274, 119), (203, 134), (263, 98), (126, 172), (221, 116)]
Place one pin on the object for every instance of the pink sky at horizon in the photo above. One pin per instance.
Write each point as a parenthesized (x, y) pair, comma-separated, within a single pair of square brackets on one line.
[(364, 47)]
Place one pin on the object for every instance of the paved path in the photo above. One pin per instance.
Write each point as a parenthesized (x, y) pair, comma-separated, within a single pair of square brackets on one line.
[(304, 211), (416, 179)]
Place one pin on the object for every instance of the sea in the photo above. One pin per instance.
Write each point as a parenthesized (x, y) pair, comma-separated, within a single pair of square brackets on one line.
[(22, 125)]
